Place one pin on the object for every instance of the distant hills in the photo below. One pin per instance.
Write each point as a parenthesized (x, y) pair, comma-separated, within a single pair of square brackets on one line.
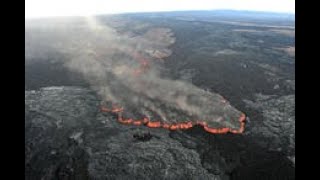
[(232, 14)]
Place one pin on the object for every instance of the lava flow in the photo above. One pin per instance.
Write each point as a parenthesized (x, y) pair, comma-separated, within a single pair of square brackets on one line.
[(174, 126), (144, 66)]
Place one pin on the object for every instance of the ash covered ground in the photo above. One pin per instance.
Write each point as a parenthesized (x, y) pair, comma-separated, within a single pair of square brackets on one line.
[(249, 61)]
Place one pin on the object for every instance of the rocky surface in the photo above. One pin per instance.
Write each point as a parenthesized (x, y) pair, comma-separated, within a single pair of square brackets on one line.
[(65, 128), (278, 122), (67, 137)]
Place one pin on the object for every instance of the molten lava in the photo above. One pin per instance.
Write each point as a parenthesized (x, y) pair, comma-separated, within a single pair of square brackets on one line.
[(144, 66), (183, 125)]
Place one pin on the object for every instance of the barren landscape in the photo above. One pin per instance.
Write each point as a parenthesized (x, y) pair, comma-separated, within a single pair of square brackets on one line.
[(175, 95)]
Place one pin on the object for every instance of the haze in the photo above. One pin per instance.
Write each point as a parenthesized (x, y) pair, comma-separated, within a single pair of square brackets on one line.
[(53, 8)]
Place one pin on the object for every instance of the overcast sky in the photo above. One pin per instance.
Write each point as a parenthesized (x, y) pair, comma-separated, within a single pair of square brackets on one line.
[(45, 8)]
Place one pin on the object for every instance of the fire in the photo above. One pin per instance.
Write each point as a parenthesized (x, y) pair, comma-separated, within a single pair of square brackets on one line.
[(144, 65)]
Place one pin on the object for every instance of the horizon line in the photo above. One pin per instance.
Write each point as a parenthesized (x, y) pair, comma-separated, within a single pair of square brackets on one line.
[(160, 11)]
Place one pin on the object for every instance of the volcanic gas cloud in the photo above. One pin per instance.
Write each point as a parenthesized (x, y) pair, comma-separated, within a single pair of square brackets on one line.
[(125, 70)]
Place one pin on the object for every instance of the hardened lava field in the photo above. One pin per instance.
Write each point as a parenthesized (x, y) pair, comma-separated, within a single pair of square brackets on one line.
[(174, 95)]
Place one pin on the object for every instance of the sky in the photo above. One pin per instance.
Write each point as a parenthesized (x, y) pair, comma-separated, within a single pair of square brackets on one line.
[(49, 8)]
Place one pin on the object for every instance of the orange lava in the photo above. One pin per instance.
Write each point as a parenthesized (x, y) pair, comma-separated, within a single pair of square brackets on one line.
[(144, 65), (177, 126)]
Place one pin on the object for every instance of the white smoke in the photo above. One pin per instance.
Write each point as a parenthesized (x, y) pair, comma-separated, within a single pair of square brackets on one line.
[(108, 61)]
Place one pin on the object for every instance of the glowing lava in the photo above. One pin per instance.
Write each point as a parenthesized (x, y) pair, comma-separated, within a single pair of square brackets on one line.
[(181, 125), (175, 126)]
